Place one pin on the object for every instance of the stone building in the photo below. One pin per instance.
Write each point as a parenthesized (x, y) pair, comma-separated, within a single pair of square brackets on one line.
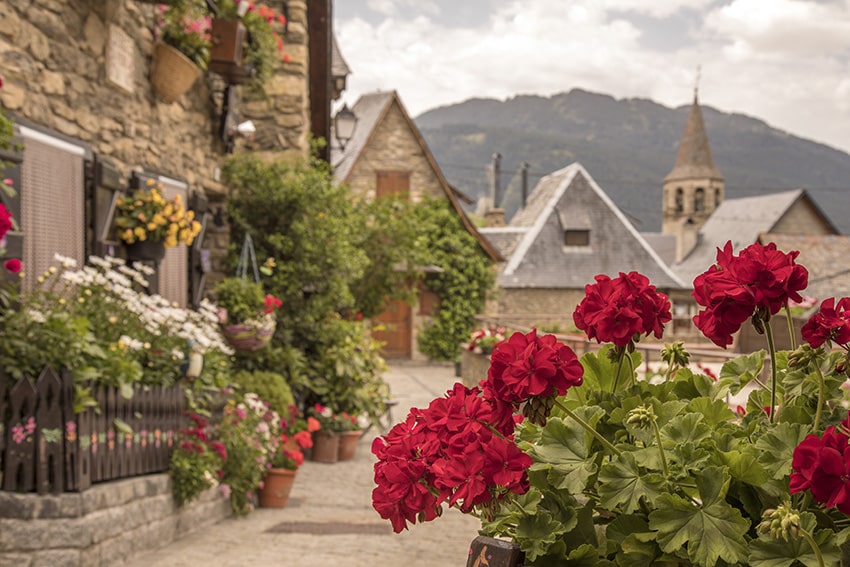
[(77, 83), (387, 155)]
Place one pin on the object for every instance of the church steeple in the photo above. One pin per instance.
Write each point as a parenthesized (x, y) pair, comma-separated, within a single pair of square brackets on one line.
[(694, 188)]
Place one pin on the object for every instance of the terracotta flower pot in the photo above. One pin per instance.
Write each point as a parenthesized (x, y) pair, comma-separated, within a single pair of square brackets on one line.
[(325, 447), (348, 441), (277, 485)]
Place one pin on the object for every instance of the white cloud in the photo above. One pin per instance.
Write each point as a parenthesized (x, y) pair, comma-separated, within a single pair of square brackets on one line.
[(749, 51)]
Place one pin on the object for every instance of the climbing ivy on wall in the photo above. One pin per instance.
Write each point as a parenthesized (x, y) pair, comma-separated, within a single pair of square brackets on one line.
[(463, 284)]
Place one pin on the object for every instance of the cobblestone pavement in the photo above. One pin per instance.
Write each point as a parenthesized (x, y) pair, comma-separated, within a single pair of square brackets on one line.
[(329, 519)]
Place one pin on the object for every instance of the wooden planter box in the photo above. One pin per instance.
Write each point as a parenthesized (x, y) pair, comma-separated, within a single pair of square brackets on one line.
[(226, 54), (46, 447)]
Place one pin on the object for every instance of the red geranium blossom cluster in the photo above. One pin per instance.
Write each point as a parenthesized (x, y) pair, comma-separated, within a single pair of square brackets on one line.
[(619, 310), (760, 280), (271, 303), (830, 323), (822, 466), (459, 450), (527, 366)]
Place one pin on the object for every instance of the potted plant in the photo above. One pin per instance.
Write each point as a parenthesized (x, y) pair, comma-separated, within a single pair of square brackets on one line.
[(295, 437), (244, 42), (148, 223), (586, 462), (246, 314), (182, 50), (349, 435), (326, 435)]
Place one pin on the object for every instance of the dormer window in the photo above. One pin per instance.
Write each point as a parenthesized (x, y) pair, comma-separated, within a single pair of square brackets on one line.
[(680, 200), (577, 237)]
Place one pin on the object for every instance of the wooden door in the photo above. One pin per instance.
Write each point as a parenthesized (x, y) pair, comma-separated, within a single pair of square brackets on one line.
[(397, 334)]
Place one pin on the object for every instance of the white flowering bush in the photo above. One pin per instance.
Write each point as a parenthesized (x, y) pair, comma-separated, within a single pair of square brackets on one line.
[(97, 321)]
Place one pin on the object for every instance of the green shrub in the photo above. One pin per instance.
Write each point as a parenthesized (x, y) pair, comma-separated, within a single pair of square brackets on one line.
[(270, 386)]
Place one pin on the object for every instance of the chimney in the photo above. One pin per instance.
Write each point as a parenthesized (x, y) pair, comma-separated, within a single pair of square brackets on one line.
[(524, 178), (495, 217)]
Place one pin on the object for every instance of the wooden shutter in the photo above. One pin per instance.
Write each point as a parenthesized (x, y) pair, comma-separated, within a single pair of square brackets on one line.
[(392, 183), (105, 190), (174, 268), (52, 197), (199, 257)]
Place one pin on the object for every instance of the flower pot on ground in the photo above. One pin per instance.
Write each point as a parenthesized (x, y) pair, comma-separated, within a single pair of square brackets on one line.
[(325, 447), (348, 441), (277, 485), (172, 73)]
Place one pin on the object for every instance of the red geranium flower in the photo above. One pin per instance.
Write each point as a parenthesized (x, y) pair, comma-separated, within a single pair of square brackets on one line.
[(526, 366), (619, 310), (5, 220), (822, 466), (272, 303), (830, 323), (12, 265), (761, 279)]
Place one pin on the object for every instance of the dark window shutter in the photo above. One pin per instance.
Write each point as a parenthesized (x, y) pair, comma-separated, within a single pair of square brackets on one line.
[(199, 257), (106, 188)]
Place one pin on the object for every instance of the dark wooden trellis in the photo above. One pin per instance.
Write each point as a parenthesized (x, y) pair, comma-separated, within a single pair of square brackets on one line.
[(46, 447)]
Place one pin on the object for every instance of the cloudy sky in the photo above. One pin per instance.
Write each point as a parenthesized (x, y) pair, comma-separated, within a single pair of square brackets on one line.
[(784, 61)]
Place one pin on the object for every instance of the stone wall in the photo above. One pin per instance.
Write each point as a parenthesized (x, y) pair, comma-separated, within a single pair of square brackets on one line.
[(527, 307), (105, 525), (62, 61)]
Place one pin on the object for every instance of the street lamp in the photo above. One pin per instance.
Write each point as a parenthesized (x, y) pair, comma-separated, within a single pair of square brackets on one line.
[(345, 122)]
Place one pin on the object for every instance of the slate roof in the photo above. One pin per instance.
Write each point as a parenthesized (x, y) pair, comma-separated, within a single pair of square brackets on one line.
[(825, 256), (534, 241), (694, 156), (739, 220)]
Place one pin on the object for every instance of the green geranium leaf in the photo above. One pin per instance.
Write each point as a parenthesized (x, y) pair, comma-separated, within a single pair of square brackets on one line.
[(584, 556), (625, 525), (715, 530), (742, 370), (770, 552), (599, 370), (564, 451), (685, 428), (777, 447), (744, 467), (637, 553), (713, 412), (535, 534), (621, 485)]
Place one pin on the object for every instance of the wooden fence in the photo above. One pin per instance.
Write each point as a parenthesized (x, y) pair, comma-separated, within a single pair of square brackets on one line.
[(46, 447)]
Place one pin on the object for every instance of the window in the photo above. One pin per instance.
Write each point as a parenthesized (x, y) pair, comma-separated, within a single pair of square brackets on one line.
[(576, 237), (52, 198), (392, 183), (699, 199), (716, 198), (680, 200)]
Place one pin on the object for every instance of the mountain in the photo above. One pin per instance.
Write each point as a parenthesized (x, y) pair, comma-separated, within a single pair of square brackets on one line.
[(628, 146)]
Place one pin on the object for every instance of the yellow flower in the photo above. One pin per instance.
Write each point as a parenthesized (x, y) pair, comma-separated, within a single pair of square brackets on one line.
[(159, 219), (128, 236), (151, 226), (170, 242), (172, 229), (150, 182), (140, 233)]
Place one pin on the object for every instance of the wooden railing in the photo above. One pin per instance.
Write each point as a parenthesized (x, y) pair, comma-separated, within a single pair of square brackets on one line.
[(46, 447)]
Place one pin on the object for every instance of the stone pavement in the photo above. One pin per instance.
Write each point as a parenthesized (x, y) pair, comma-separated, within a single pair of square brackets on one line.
[(329, 519)]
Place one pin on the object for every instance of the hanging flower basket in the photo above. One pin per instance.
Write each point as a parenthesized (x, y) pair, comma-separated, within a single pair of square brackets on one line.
[(172, 73), (250, 335)]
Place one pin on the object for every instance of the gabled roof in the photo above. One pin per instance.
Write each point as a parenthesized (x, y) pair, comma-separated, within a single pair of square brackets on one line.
[(694, 156), (741, 221), (534, 239), (825, 256), (370, 110)]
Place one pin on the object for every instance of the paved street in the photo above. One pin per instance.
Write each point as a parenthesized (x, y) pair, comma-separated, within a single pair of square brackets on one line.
[(329, 519)]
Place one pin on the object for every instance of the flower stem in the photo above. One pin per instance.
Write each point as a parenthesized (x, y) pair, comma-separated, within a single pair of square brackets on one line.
[(821, 393), (772, 350), (619, 369), (790, 326), (660, 448), (607, 444), (808, 537)]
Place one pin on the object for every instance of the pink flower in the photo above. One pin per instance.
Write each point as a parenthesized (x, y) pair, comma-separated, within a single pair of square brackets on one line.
[(225, 490)]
